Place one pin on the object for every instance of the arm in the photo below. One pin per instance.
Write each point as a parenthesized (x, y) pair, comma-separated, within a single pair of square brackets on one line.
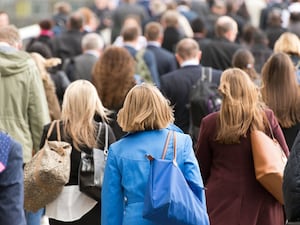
[(151, 63), (203, 153), (11, 188), (191, 170), (112, 194), (278, 134), (38, 113)]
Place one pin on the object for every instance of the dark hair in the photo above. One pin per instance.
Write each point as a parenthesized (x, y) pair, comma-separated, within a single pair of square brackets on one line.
[(198, 25)]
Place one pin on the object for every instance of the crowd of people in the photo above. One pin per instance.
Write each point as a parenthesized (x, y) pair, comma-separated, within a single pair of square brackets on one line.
[(132, 65)]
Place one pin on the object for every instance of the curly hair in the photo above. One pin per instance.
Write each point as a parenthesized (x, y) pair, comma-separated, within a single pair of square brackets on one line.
[(113, 76)]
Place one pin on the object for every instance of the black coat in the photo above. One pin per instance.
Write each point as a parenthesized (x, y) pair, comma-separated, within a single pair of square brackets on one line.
[(176, 87), (291, 180), (218, 53)]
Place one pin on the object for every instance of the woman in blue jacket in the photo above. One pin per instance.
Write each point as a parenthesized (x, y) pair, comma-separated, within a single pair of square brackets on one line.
[(147, 116)]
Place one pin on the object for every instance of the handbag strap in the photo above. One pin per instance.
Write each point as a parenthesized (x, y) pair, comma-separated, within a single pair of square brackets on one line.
[(166, 146), (269, 125), (106, 137), (57, 130)]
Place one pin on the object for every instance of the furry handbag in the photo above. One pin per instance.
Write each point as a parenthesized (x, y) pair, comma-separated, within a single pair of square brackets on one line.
[(47, 172)]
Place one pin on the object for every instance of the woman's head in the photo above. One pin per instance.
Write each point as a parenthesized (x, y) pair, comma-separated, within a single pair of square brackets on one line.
[(288, 43), (241, 107), (145, 108), (244, 60), (80, 104), (280, 90), (113, 76)]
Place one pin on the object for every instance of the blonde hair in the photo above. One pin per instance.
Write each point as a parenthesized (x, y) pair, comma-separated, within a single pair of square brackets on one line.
[(80, 104), (145, 108), (288, 43), (10, 34), (241, 107)]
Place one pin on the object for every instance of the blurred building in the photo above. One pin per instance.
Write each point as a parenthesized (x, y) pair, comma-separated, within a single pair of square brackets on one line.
[(26, 12)]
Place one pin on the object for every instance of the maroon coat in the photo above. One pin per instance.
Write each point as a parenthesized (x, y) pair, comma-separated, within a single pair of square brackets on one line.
[(233, 194)]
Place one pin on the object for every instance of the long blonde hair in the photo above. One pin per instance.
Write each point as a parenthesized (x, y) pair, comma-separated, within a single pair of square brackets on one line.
[(81, 103), (241, 108)]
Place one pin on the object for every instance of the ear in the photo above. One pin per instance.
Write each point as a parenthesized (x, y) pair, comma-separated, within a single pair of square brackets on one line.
[(178, 58), (199, 55)]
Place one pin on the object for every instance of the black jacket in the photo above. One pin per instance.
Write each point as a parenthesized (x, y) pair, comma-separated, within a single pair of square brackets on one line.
[(291, 181)]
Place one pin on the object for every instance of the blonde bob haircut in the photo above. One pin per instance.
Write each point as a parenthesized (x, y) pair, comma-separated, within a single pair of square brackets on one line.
[(241, 107), (145, 108), (80, 104)]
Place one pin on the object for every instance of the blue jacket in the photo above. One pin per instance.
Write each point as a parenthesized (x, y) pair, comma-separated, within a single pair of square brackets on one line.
[(127, 171), (11, 187)]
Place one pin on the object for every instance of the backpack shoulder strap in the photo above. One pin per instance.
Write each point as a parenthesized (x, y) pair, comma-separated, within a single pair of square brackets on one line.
[(206, 74)]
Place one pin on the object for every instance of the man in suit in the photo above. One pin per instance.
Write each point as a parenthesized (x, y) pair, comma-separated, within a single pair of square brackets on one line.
[(80, 67), (130, 34), (165, 60), (218, 53), (177, 84)]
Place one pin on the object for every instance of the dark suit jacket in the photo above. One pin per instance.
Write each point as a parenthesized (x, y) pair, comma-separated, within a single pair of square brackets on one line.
[(67, 45), (218, 53), (82, 67), (176, 87), (149, 59), (165, 60)]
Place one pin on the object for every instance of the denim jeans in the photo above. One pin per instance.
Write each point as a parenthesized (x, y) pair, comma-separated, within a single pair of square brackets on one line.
[(34, 218)]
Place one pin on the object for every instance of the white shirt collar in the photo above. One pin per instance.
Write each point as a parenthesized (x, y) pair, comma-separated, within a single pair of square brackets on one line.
[(154, 43), (190, 62)]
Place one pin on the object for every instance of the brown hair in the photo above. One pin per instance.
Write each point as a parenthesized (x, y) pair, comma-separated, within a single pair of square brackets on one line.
[(280, 90), (153, 31), (244, 60), (113, 76)]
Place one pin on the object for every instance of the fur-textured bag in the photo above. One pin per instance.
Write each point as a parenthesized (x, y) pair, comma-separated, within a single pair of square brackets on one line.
[(47, 172)]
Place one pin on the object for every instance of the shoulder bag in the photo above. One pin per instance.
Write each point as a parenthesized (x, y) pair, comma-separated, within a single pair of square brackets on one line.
[(91, 168), (168, 197), (269, 162), (47, 172)]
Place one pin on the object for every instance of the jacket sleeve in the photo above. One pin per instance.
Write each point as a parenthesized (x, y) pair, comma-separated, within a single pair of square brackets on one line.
[(203, 152), (112, 194), (291, 178), (12, 189), (278, 134), (38, 112), (151, 63), (191, 170)]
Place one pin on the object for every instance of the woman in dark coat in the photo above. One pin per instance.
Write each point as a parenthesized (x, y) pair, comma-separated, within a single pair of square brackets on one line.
[(79, 128), (233, 194)]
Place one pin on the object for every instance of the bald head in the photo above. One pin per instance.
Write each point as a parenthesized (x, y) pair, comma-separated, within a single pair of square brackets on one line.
[(226, 27), (187, 48)]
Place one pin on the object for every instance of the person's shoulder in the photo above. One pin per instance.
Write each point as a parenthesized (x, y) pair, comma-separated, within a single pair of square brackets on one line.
[(211, 118)]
